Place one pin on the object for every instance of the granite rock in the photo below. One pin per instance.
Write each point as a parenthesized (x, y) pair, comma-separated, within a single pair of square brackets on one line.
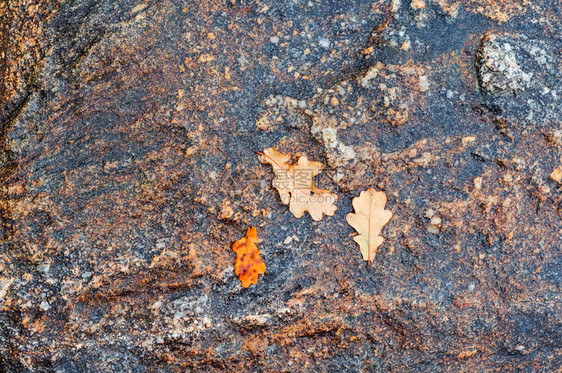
[(127, 170)]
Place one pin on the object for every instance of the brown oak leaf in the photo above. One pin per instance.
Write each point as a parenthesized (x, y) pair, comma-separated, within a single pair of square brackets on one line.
[(368, 220), (248, 264), (296, 187)]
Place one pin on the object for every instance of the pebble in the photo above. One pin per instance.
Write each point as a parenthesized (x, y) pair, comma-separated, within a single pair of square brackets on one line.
[(417, 4), (324, 43), (424, 83)]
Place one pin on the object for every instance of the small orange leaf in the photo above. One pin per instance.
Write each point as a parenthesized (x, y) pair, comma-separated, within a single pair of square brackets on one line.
[(248, 264)]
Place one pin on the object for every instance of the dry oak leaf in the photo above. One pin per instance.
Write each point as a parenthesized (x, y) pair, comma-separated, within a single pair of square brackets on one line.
[(368, 220), (248, 264), (296, 187)]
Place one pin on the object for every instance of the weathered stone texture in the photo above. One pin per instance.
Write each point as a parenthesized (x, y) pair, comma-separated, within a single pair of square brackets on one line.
[(128, 131)]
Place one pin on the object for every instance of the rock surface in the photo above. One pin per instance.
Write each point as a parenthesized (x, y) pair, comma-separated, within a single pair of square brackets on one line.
[(127, 167)]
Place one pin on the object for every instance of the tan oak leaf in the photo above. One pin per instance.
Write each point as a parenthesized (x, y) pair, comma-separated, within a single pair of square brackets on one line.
[(296, 187), (368, 220)]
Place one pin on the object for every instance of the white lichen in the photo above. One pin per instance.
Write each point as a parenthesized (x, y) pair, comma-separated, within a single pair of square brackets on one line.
[(324, 129), (499, 70)]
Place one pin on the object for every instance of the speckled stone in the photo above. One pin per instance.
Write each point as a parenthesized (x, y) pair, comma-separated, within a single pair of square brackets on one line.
[(128, 132)]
